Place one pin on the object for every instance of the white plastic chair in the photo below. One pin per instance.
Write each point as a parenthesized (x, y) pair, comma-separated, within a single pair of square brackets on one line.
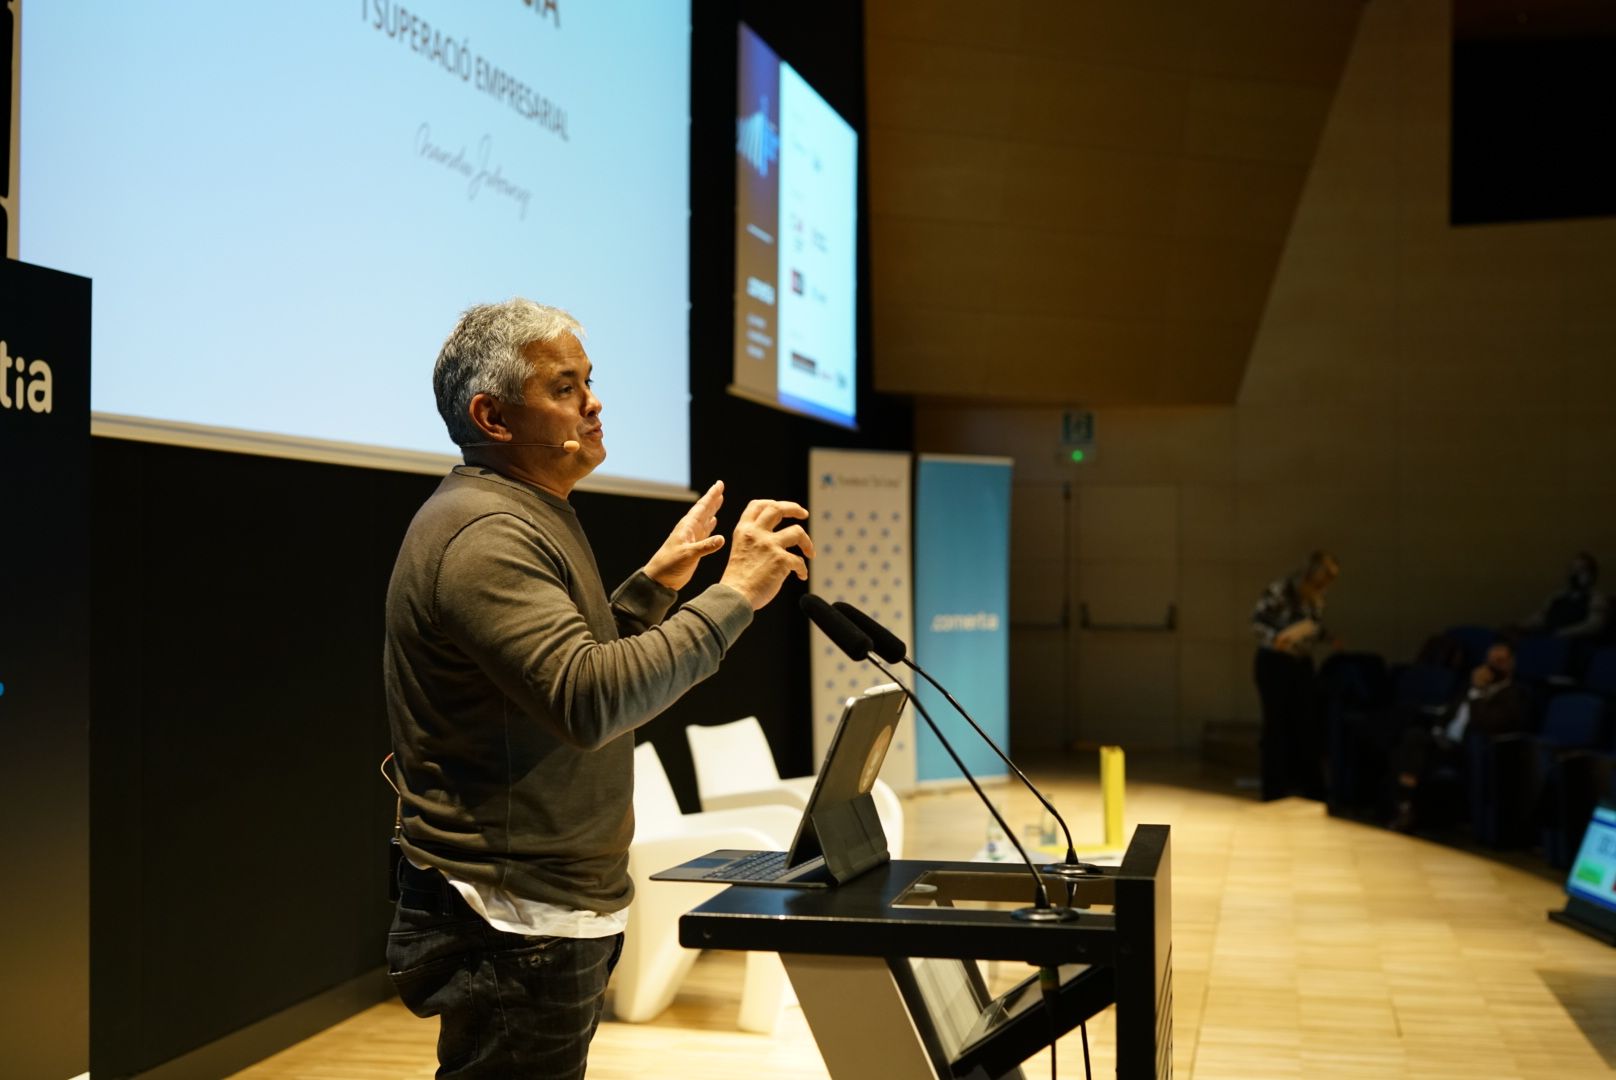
[(653, 963), (735, 768)]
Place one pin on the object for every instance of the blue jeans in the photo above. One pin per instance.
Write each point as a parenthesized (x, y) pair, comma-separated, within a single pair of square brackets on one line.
[(508, 1005)]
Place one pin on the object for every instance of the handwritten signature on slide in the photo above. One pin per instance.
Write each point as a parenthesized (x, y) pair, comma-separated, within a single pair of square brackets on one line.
[(479, 174)]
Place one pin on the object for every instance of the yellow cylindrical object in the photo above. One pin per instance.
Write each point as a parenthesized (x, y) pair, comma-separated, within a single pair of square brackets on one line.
[(1113, 781)]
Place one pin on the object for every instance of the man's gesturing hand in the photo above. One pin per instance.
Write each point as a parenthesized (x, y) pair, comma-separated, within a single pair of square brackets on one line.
[(760, 556), (691, 539)]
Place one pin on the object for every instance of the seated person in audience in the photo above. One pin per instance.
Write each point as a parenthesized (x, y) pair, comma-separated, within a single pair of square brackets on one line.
[(1579, 611), (1494, 705)]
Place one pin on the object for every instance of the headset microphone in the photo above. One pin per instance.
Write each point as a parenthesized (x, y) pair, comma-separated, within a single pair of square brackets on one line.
[(571, 446)]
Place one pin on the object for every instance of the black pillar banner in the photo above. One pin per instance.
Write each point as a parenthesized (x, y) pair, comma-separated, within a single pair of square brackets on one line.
[(44, 670)]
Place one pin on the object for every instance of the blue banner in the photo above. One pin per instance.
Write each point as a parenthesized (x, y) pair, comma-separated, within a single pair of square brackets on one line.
[(962, 607)]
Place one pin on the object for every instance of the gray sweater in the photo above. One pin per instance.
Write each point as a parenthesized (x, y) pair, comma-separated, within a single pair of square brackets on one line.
[(513, 684)]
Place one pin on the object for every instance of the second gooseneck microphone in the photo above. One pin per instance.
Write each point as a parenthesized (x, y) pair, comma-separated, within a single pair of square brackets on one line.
[(889, 647), (857, 645)]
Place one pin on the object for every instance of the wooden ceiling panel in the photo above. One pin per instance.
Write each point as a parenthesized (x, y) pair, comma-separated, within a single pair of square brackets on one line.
[(1097, 106), (1243, 201), (966, 178), (993, 356), (1074, 188), (1150, 36), (1294, 41), (930, 87), (1020, 270), (1204, 362), (1255, 121), (947, 22), (1218, 281), (1085, 200), (1280, 40), (996, 357), (938, 175), (923, 86)]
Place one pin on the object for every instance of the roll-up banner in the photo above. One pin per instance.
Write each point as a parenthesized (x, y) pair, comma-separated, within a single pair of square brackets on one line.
[(859, 516), (962, 608), (44, 670)]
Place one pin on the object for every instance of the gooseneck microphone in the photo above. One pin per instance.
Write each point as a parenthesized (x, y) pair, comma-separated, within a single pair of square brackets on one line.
[(889, 647), (841, 631), (857, 645)]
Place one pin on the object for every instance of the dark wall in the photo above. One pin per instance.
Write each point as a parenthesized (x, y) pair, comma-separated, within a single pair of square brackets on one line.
[(239, 822)]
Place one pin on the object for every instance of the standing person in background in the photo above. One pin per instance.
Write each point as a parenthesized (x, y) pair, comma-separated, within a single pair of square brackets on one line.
[(1288, 622)]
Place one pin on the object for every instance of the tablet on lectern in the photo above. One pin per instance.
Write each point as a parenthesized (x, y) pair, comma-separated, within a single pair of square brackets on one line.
[(839, 836)]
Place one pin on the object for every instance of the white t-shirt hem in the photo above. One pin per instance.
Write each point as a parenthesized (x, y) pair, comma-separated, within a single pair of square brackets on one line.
[(511, 914)]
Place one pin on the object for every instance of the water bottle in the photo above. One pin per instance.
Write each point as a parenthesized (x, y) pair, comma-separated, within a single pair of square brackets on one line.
[(998, 844)]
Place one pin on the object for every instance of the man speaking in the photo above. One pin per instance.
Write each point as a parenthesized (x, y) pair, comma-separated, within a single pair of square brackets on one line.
[(513, 683)]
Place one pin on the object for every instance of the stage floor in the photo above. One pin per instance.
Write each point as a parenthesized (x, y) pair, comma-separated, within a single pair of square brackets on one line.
[(1304, 946)]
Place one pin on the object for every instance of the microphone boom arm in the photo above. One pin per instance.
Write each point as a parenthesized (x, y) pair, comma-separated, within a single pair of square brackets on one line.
[(1041, 897), (1071, 849)]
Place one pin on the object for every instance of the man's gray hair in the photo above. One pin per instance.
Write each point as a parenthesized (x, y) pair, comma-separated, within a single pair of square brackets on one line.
[(483, 355)]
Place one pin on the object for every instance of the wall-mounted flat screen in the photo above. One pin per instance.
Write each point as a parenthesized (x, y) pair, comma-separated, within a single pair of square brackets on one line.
[(796, 242), (285, 209)]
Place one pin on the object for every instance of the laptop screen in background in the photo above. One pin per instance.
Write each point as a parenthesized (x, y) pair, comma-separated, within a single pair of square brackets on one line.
[(1593, 874)]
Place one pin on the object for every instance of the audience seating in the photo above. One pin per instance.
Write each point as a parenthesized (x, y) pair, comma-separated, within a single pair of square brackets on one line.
[(1508, 773), (1357, 692), (1571, 789), (1574, 720), (1600, 675), (1541, 659), (1366, 725), (1500, 803), (1536, 787), (1574, 730), (1425, 690), (1475, 641)]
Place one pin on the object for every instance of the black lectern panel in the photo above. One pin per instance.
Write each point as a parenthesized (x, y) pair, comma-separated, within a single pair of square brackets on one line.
[(44, 669), (1117, 951)]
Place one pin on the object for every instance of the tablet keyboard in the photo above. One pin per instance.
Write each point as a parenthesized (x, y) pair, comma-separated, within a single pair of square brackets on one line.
[(758, 866)]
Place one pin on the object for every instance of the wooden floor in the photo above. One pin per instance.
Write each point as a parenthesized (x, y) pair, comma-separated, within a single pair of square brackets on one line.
[(1304, 946)]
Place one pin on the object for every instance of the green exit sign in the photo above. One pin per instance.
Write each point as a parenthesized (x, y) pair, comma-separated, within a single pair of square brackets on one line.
[(1077, 435)]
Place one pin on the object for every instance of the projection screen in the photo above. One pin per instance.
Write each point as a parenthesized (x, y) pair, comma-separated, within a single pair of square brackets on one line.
[(285, 208)]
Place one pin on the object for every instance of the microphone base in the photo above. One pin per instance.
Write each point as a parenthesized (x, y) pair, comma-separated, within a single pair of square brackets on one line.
[(1078, 871), (1044, 914)]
